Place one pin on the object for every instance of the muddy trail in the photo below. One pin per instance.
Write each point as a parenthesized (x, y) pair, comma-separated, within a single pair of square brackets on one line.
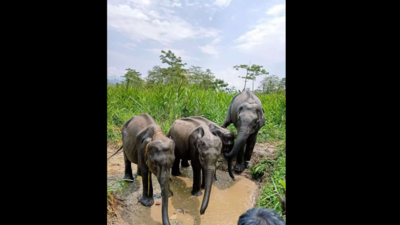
[(228, 198)]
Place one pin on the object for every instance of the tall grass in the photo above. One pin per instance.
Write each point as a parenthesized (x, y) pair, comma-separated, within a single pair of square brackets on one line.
[(168, 103)]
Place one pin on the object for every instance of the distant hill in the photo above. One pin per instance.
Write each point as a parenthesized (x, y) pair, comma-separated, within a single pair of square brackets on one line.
[(114, 81)]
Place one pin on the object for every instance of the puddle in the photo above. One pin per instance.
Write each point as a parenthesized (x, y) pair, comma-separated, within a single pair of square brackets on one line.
[(228, 200)]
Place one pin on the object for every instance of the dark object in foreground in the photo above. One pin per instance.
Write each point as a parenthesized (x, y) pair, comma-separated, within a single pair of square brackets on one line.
[(260, 216)]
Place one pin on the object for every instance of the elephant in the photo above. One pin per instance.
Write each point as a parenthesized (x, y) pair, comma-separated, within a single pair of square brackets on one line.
[(194, 141), (247, 115), (227, 137), (145, 145)]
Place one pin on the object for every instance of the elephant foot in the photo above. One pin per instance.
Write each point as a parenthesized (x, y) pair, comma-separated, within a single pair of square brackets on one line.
[(146, 201), (197, 193), (128, 177), (247, 164), (239, 168), (185, 163), (175, 173)]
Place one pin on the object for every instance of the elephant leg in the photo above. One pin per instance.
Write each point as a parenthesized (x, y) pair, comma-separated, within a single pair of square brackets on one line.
[(185, 163), (128, 169), (196, 178), (251, 141), (147, 196), (138, 172), (175, 168), (239, 167), (227, 120)]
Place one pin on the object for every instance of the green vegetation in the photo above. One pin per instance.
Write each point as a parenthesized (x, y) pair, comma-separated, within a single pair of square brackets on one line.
[(276, 180), (112, 187), (166, 103)]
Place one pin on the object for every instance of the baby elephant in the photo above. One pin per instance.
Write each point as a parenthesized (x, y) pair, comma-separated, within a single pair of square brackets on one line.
[(227, 137), (194, 141), (145, 145)]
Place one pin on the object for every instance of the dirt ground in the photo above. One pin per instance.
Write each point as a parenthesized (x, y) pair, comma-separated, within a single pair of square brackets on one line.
[(129, 211)]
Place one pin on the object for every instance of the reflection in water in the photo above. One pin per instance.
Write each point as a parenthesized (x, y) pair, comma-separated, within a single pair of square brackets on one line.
[(228, 200)]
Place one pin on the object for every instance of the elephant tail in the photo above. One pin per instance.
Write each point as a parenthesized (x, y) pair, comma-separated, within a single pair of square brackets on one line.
[(115, 152)]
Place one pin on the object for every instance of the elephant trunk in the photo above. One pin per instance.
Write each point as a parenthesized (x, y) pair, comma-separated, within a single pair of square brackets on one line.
[(210, 171), (243, 134), (164, 194), (230, 168)]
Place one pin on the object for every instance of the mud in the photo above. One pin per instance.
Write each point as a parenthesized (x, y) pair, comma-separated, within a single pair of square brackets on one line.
[(228, 199)]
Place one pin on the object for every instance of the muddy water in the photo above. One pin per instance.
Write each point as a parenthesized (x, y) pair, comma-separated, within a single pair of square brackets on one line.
[(228, 200)]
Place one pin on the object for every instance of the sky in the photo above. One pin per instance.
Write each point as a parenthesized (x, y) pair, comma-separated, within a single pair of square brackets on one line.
[(212, 34)]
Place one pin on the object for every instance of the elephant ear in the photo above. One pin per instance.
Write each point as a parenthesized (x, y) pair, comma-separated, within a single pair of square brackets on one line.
[(261, 118), (197, 134), (144, 137), (215, 131)]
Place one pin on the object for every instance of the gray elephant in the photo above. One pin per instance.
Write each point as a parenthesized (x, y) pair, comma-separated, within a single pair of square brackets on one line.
[(247, 115), (145, 145), (227, 137), (194, 141)]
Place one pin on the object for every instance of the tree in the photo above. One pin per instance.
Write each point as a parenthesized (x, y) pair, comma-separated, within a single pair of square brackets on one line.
[(204, 79), (156, 75), (252, 72), (195, 75), (282, 83), (269, 84), (175, 71), (220, 84), (132, 78)]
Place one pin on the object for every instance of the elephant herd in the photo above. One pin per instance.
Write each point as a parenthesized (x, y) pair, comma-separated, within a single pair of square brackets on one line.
[(190, 138)]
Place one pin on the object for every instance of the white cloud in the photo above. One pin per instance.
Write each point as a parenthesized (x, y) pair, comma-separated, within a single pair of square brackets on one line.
[(266, 39), (210, 18), (141, 2), (170, 3), (128, 45), (231, 76), (275, 10), (114, 73), (194, 3), (147, 21), (222, 3), (215, 41), (178, 52), (209, 49)]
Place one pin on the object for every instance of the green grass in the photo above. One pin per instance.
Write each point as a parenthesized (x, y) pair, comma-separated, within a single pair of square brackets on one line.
[(168, 103), (277, 173)]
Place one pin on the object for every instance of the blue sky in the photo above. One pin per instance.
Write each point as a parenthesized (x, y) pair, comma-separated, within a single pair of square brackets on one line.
[(213, 34)]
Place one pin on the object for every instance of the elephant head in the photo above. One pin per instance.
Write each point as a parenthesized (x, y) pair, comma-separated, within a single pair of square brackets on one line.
[(208, 148), (250, 119), (227, 137), (160, 157)]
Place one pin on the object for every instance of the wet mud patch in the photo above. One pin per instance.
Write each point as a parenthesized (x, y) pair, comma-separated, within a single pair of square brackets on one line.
[(261, 151), (228, 199)]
